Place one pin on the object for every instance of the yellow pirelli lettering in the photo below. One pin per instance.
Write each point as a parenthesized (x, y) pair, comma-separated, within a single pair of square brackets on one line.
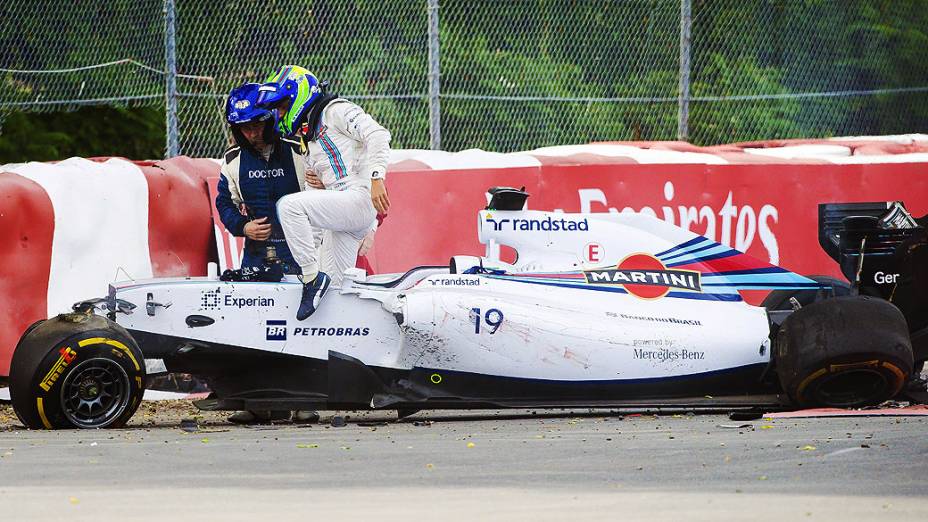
[(41, 406), (47, 381), (111, 342), (67, 355)]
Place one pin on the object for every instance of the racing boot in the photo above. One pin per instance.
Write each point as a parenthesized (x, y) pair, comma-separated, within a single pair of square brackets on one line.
[(313, 293)]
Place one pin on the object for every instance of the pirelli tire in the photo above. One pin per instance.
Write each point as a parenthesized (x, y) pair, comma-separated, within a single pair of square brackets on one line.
[(845, 352), (76, 371)]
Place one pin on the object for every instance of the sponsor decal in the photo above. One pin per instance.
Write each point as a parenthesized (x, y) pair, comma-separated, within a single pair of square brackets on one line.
[(548, 224), (276, 330), (671, 320), (651, 343), (265, 173), (455, 281), (644, 276), (665, 355), (732, 223), (242, 104), (594, 253), (214, 300), (247, 302), (209, 300), (64, 360), (882, 278), (332, 332)]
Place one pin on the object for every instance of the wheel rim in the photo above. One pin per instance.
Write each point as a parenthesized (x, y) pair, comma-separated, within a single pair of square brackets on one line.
[(853, 388), (95, 393)]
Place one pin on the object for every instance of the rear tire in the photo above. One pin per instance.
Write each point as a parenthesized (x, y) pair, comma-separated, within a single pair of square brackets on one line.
[(76, 371), (846, 352)]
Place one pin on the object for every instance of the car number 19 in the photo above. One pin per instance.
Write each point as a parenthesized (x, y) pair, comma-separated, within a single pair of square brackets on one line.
[(493, 318)]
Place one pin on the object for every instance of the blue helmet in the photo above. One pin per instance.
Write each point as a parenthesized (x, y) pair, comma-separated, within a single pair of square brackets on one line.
[(242, 107), (293, 88)]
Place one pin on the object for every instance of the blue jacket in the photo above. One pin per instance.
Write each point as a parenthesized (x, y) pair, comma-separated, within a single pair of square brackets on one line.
[(246, 178)]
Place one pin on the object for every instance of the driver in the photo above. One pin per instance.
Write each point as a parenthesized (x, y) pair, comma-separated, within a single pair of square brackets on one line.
[(256, 172), (348, 152)]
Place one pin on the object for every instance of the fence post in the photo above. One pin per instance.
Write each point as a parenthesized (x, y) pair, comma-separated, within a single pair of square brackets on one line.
[(683, 115), (434, 78), (170, 64)]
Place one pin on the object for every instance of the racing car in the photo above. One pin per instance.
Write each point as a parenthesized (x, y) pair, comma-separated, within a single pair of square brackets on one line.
[(597, 310)]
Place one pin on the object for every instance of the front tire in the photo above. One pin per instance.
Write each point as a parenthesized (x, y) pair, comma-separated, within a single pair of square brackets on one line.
[(76, 371), (845, 352)]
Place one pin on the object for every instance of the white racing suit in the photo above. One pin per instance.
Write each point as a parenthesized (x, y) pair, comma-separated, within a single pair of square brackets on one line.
[(350, 148)]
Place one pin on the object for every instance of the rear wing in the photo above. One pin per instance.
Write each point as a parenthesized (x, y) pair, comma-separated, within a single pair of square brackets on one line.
[(885, 223), (873, 243)]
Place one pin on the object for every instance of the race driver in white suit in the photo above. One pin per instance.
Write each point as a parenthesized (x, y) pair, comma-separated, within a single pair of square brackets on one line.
[(347, 151)]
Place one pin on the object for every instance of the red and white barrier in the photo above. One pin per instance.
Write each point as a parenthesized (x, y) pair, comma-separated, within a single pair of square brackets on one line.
[(67, 229)]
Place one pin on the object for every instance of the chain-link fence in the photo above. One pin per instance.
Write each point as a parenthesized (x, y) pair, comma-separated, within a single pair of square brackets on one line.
[(510, 75), (60, 55)]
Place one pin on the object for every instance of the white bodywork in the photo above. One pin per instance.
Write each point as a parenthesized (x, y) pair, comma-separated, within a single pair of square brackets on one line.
[(545, 317)]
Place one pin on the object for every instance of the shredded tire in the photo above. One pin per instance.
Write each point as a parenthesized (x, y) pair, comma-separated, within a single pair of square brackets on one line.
[(845, 352)]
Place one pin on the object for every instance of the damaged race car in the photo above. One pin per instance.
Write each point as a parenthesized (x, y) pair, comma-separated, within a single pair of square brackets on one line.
[(598, 310)]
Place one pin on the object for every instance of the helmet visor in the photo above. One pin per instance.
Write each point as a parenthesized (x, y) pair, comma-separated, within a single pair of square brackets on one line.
[(271, 95), (253, 118)]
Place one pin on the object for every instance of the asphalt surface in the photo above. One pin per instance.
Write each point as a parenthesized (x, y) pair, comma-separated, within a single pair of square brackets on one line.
[(470, 466)]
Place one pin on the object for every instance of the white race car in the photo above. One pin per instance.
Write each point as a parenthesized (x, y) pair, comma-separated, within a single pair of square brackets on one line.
[(598, 310)]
